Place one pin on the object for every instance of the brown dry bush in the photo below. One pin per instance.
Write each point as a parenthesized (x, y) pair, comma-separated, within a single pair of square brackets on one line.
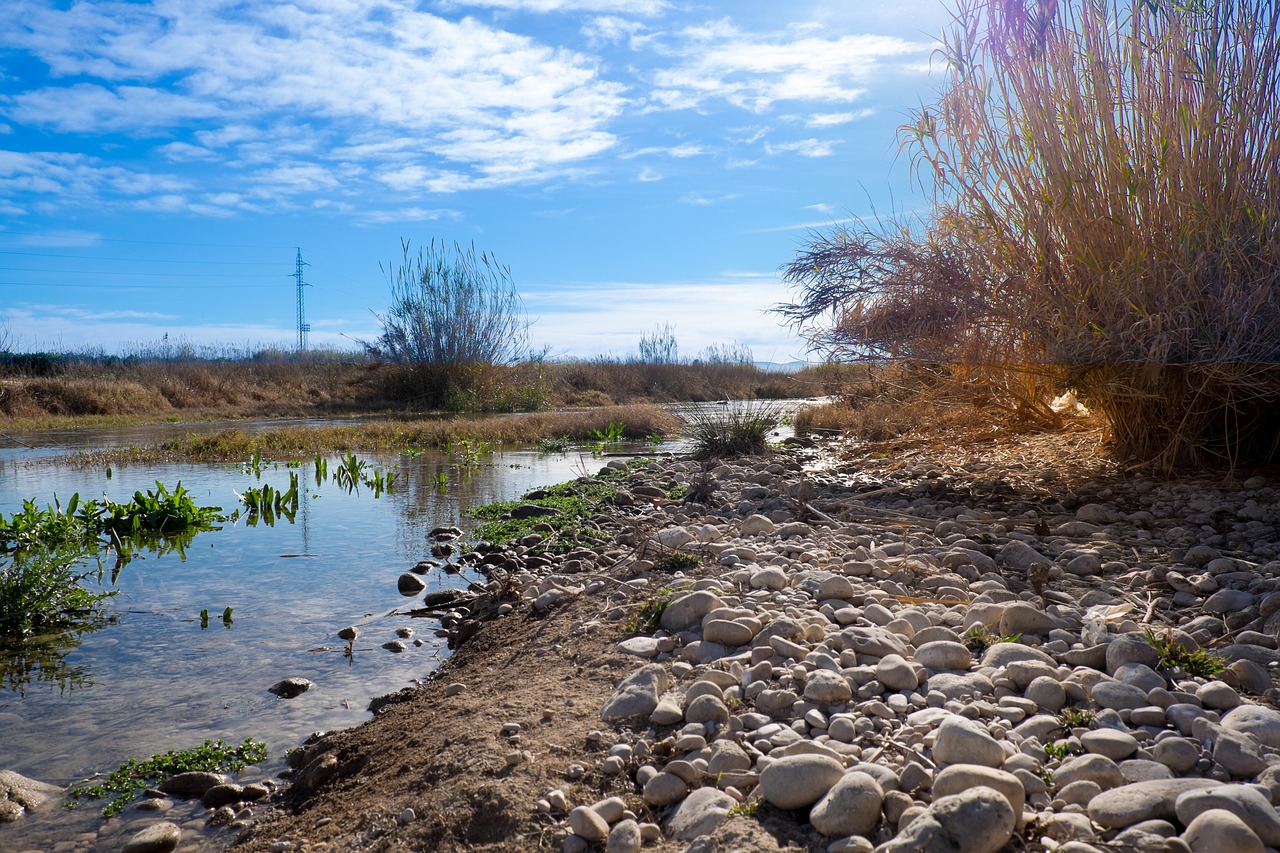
[(1107, 219)]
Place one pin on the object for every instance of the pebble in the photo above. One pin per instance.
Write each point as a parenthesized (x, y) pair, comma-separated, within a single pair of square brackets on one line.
[(798, 781)]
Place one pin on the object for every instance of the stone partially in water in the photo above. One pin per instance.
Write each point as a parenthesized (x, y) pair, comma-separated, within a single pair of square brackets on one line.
[(19, 795), (158, 838), (290, 687)]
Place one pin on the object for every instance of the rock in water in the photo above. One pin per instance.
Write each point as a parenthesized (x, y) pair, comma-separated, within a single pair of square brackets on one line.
[(19, 795), (290, 687), (158, 838)]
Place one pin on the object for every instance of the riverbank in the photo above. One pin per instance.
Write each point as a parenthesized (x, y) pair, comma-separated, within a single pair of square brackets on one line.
[(1001, 645)]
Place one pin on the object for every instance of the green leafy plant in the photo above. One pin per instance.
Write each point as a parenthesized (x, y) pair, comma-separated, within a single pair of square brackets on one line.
[(124, 784), (555, 445), (1077, 718), (1174, 655), (979, 638), (42, 593), (1061, 749), (647, 617), (469, 452), (611, 434)]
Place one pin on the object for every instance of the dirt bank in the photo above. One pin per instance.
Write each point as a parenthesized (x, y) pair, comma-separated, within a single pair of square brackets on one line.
[(508, 736)]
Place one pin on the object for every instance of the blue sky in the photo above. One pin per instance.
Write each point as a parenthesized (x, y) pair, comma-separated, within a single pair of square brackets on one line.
[(634, 162)]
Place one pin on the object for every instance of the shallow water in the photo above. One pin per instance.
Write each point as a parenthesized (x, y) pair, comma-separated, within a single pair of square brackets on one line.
[(155, 680)]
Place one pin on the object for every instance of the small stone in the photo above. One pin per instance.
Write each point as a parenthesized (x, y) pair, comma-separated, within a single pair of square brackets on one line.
[(350, 633), (850, 807), (1244, 801), (624, 838), (454, 689), (700, 813), (637, 695), (1130, 804), (290, 687), (944, 655), (409, 584), (193, 783), (826, 687), (664, 789), (157, 838), (1261, 722), (963, 741), (1115, 745), (587, 823), (979, 820), (896, 673), (798, 781), (958, 778)]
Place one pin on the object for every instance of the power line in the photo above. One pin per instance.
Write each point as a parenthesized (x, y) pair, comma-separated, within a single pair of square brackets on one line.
[(149, 274), (140, 286), (131, 260), (141, 242)]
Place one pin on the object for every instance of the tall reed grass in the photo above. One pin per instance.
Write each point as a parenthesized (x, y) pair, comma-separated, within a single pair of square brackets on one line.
[(1107, 217)]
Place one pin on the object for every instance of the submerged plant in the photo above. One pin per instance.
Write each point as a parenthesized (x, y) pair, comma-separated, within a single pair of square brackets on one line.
[(133, 777)]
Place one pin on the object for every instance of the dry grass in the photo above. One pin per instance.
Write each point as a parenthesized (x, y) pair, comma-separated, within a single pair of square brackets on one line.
[(1107, 218), (48, 393), (639, 421)]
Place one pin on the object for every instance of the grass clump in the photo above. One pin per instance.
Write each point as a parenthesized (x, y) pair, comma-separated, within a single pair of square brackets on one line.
[(979, 638), (124, 784), (741, 429), (647, 617), (1174, 655), (1105, 219)]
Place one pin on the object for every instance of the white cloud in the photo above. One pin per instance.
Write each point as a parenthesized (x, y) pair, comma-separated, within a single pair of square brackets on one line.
[(682, 151), (259, 81), (609, 317), (705, 201), (719, 61), (803, 147), (629, 7), (648, 175), (834, 119), (407, 214)]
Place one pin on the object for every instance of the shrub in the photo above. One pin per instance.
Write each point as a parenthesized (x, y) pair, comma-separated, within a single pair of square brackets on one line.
[(741, 429), (454, 316), (1107, 218)]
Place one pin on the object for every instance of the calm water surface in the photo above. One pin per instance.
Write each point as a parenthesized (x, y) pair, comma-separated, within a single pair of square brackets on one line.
[(155, 680)]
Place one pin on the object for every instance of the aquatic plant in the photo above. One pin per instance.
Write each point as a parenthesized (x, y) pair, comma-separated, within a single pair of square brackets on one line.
[(41, 592), (133, 777)]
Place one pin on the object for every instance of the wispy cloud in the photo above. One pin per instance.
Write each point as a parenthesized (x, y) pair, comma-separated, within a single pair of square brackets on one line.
[(233, 80), (836, 119), (721, 62), (803, 147), (706, 201), (679, 151), (628, 7)]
